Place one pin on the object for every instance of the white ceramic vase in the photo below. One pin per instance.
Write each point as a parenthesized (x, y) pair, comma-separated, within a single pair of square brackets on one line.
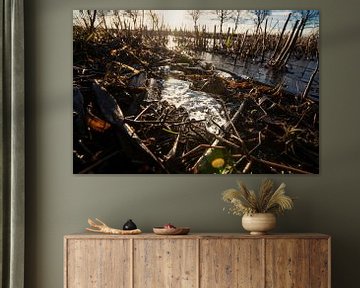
[(259, 223)]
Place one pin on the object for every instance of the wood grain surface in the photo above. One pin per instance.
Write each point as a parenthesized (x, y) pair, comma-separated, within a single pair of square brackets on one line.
[(197, 261), (287, 263), (229, 263), (320, 263), (98, 263), (165, 263)]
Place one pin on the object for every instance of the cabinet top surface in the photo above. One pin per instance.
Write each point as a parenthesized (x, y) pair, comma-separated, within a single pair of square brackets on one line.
[(87, 235)]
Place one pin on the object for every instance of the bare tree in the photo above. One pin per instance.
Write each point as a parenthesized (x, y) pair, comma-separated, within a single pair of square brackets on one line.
[(142, 19), (223, 16), (310, 18), (195, 16), (133, 15), (117, 20), (154, 19), (88, 17), (102, 14), (236, 17), (260, 16)]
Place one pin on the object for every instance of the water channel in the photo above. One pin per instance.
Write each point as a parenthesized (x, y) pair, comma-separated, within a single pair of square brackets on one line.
[(294, 78), (203, 106)]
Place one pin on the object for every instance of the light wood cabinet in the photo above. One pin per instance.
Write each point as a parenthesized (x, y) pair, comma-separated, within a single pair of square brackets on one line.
[(197, 261)]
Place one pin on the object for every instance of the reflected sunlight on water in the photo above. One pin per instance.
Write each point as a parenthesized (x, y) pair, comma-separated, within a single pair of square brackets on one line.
[(199, 105)]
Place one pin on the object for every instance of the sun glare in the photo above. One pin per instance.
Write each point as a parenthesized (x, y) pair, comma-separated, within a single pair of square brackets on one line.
[(175, 18)]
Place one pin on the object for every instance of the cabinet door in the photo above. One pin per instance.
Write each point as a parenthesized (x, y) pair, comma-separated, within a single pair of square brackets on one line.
[(231, 263), (320, 263), (98, 263), (288, 263), (165, 263)]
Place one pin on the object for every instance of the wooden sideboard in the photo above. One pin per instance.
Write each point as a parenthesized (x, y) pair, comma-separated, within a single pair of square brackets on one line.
[(197, 261)]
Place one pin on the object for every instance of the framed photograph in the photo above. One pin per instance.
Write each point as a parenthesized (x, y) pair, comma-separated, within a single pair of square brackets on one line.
[(196, 91)]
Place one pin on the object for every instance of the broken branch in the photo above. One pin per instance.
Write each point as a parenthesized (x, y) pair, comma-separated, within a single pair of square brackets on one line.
[(101, 227)]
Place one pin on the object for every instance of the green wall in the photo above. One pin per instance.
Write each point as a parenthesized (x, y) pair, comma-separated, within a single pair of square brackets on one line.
[(59, 203)]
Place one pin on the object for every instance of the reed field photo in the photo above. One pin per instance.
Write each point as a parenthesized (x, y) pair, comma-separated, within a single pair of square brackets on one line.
[(196, 91)]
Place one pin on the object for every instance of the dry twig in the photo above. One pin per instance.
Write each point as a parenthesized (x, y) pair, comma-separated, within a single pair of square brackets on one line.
[(101, 227)]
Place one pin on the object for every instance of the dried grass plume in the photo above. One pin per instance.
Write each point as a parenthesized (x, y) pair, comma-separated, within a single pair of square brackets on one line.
[(266, 200)]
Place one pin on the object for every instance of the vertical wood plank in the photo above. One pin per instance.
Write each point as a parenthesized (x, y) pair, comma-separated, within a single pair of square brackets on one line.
[(198, 263), (287, 263), (263, 253), (329, 262), (319, 263), (165, 263), (231, 263), (65, 263), (98, 263), (132, 262)]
